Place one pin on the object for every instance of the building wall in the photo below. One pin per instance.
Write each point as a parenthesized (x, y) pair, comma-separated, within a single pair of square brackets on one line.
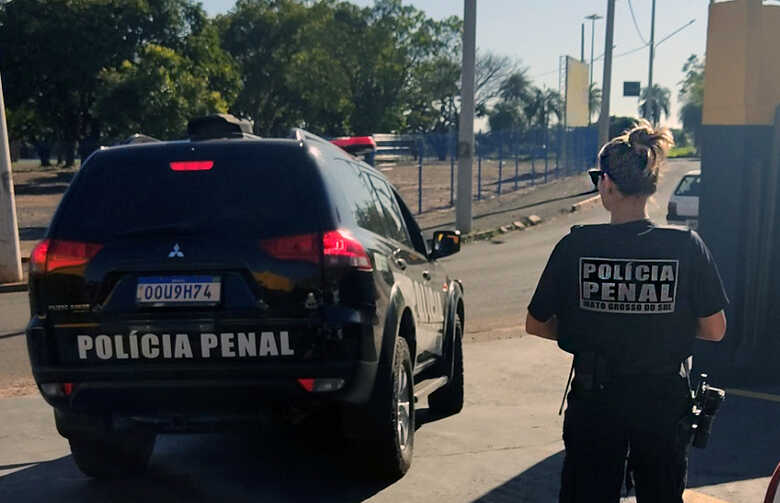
[(739, 167)]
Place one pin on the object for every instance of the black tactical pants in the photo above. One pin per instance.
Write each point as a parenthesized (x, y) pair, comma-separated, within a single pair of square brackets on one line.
[(638, 419)]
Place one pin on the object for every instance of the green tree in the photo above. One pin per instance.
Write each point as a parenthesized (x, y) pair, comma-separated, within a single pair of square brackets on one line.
[(506, 116), (498, 77), (516, 88), (265, 38), (156, 95), (692, 96), (74, 41), (594, 101), (542, 104), (654, 102)]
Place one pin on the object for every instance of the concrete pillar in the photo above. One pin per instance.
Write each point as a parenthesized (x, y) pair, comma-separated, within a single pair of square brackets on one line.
[(10, 259)]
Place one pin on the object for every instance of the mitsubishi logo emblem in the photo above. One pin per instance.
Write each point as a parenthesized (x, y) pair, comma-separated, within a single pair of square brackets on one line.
[(176, 252)]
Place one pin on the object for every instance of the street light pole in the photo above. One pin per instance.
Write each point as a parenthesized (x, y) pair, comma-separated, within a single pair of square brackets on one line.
[(607, 82), (652, 48), (593, 18), (466, 132), (582, 43)]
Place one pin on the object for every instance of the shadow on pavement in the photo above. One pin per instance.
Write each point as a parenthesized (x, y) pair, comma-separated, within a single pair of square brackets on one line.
[(745, 443), (743, 447), (31, 233), (539, 483), (29, 189), (280, 464), (59, 177)]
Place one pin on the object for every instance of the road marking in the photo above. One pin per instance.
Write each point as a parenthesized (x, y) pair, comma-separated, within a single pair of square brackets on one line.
[(754, 394), (694, 497)]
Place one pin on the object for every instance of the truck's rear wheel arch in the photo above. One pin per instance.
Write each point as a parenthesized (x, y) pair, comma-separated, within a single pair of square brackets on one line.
[(406, 330)]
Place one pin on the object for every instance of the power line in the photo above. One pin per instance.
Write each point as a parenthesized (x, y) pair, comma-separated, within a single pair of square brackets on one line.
[(636, 25)]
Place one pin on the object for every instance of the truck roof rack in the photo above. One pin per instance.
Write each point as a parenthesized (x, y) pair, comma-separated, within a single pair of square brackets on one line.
[(138, 138), (217, 126)]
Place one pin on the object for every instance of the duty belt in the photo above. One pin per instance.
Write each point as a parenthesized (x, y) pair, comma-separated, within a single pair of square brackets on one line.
[(593, 372)]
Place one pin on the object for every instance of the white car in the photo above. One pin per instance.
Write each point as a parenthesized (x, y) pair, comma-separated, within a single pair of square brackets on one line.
[(683, 206)]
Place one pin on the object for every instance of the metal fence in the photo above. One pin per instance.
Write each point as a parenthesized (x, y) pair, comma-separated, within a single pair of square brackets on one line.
[(423, 167)]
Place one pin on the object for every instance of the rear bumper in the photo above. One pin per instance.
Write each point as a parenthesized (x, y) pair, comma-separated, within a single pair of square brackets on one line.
[(198, 388)]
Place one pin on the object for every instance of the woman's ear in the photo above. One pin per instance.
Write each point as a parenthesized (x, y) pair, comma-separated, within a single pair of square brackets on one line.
[(609, 185)]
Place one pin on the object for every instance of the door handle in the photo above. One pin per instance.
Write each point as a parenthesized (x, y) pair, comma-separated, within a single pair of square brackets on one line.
[(427, 275), (400, 263)]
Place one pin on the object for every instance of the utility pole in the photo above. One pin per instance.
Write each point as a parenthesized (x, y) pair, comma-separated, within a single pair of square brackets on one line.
[(10, 258), (582, 43), (606, 84), (466, 133), (652, 48)]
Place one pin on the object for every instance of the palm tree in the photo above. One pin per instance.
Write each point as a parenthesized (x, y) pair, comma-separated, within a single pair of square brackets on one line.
[(594, 101), (516, 88), (541, 104), (654, 102)]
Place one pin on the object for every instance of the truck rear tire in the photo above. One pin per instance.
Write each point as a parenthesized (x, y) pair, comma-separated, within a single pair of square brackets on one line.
[(111, 456), (393, 439), (448, 399)]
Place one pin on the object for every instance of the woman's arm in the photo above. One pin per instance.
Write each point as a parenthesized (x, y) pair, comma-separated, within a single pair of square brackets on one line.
[(547, 329), (712, 328)]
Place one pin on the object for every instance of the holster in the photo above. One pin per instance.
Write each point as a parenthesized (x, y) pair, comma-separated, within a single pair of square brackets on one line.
[(591, 372)]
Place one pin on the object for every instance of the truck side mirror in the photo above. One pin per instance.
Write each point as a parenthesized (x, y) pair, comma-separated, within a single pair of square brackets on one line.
[(445, 243)]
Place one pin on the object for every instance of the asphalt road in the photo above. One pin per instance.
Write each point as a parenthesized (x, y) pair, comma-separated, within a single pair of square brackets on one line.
[(504, 446)]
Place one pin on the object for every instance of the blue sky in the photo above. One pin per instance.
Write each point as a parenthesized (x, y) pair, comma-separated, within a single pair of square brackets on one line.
[(538, 32)]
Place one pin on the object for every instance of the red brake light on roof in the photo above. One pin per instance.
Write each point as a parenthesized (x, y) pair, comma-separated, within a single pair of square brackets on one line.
[(191, 165), (304, 247), (52, 254), (341, 248)]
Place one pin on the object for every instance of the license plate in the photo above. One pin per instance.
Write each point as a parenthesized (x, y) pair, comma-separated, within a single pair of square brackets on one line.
[(173, 290)]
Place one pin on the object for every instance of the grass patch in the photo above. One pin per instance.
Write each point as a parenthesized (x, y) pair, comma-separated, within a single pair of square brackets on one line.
[(689, 151)]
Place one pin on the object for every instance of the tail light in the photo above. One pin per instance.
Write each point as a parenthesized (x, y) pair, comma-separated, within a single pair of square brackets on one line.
[(305, 247), (339, 248), (342, 249), (52, 254), (672, 208)]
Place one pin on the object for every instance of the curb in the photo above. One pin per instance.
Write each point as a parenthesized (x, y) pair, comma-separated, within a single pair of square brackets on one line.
[(517, 225), (585, 203)]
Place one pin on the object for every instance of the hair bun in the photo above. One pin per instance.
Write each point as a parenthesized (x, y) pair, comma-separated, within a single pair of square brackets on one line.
[(644, 138)]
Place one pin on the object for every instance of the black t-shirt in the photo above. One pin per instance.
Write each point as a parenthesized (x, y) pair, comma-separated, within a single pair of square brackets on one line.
[(632, 292)]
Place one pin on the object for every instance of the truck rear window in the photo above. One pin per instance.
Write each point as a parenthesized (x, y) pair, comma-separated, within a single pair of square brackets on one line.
[(236, 196)]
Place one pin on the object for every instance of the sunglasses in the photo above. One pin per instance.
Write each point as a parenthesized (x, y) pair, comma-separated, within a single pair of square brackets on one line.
[(595, 176)]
